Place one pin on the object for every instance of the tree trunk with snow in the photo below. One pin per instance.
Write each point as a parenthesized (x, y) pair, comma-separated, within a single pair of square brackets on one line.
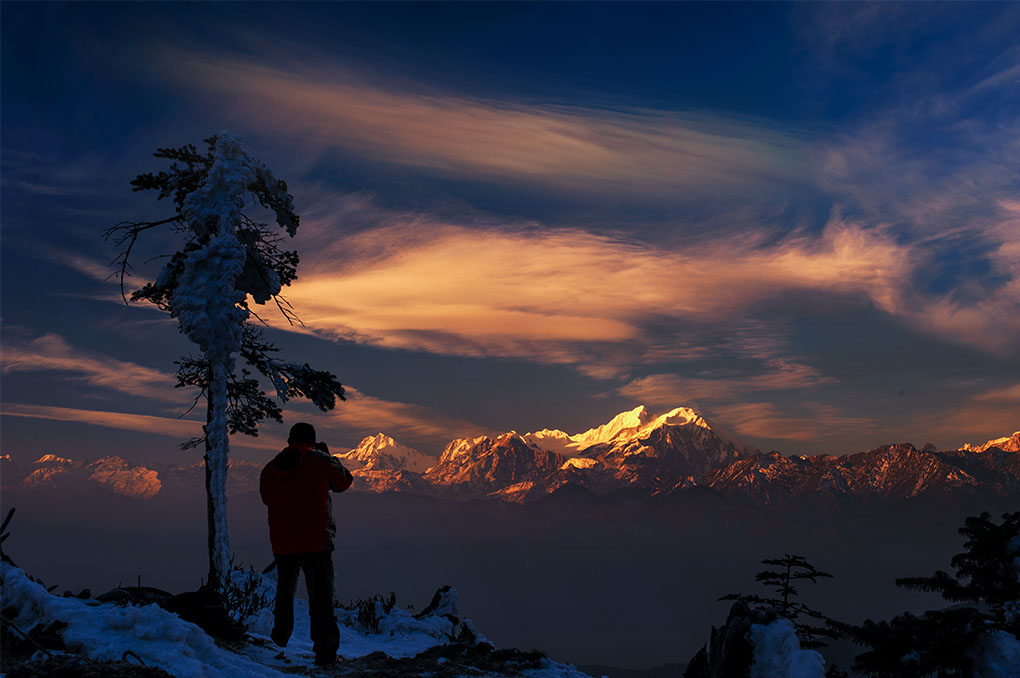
[(216, 464), (206, 285), (210, 310)]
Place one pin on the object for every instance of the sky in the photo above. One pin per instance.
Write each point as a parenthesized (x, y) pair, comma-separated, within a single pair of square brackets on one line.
[(802, 220)]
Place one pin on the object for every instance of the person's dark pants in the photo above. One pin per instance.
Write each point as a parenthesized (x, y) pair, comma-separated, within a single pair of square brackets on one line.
[(318, 569)]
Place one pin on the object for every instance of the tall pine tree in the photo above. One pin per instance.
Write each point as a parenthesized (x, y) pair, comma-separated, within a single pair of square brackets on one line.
[(226, 261)]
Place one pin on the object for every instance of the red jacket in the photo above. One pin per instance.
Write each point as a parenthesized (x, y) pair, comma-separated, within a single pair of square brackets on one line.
[(295, 486)]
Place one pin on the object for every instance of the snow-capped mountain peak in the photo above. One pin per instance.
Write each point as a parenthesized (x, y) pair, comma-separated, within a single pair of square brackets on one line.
[(51, 459), (622, 425), (1006, 444), (381, 452), (458, 447)]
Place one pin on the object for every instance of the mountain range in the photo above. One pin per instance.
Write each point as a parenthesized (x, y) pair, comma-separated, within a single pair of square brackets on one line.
[(636, 452)]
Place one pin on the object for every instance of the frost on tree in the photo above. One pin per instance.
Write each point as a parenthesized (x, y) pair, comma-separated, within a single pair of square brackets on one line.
[(227, 261)]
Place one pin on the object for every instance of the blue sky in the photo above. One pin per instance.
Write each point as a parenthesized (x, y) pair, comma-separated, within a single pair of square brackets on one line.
[(801, 219)]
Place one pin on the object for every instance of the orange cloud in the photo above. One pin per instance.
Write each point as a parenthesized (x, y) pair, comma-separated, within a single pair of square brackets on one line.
[(539, 294)]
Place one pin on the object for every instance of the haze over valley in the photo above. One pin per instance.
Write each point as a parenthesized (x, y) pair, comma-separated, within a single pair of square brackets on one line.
[(553, 540)]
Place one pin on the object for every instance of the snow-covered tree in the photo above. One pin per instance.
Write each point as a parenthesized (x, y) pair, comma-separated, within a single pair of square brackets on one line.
[(227, 261)]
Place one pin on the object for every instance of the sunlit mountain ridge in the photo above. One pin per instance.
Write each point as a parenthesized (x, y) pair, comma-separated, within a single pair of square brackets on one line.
[(636, 451), (1006, 444), (381, 452)]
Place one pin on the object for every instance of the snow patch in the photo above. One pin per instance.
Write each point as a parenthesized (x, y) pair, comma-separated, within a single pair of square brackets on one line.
[(381, 452), (51, 459), (579, 462)]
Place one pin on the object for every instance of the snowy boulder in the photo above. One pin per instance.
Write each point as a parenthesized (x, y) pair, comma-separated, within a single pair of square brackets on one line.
[(444, 604), (754, 644), (729, 651), (777, 653), (105, 631), (997, 656)]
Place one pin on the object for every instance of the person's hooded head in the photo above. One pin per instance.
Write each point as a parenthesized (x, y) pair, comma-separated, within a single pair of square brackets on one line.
[(301, 434)]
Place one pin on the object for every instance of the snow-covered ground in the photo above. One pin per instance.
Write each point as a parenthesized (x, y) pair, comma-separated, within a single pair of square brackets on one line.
[(105, 631)]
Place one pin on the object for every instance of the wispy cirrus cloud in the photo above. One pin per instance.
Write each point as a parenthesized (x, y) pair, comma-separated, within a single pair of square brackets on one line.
[(987, 414), (777, 375), (172, 427), (957, 205), (589, 148), (125, 421), (360, 415), (734, 400), (822, 423), (52, 353), (87, 266)]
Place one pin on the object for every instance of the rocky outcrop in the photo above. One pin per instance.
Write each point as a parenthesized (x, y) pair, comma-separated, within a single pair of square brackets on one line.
[(729, 652), (491, 465)]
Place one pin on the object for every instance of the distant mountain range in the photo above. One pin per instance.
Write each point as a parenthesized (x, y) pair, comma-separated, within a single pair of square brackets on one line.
[(636, 452)]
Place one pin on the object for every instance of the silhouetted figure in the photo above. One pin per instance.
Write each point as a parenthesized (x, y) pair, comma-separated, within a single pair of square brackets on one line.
[(295, 486)]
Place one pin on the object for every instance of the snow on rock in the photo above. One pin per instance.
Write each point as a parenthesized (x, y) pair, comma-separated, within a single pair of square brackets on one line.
[(51, 459), (626, 427), (132, 481), (381, 452), (110, 473), (458, 448), (446, 603), (1006, 444), (159, 637), (553, 440), (777, 653), (518, 492), (579, 462), (998, 656)]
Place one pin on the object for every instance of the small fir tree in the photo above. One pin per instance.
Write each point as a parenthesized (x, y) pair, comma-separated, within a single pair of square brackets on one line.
[(943, 642), (789, 570), (987, 572), (226, 261)]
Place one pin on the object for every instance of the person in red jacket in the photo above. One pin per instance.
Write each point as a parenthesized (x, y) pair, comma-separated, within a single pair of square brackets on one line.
[(296, 486)]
